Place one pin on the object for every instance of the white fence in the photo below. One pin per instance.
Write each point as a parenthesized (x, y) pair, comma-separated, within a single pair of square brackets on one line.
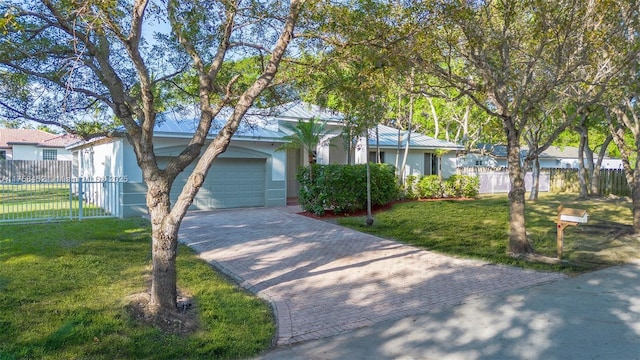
[(32, 199), (497, 180)]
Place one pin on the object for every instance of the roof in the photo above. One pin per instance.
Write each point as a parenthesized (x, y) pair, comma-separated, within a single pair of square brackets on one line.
[(254, 125), (388, 137), (552, 152), (35, 137), (302, 110)]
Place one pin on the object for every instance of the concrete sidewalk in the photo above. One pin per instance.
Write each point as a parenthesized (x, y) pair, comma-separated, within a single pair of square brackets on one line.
[(325, 280), (593, 316)]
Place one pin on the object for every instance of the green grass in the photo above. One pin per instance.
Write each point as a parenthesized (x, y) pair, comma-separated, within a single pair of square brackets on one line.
[(42, 201), (479, 229), (63, 288)]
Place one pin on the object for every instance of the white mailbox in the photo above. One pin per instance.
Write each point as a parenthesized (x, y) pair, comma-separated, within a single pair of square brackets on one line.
[(578, 216)]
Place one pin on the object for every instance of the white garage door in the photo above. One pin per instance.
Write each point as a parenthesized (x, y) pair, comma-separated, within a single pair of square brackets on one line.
[(231, 183)]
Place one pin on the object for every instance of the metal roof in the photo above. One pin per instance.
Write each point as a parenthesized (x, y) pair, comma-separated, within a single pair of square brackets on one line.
[(302, 110), (255, 125), (388, 137), (552, 152)]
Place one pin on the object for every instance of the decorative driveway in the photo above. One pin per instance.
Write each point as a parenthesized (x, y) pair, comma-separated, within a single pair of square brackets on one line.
[(323, 279)]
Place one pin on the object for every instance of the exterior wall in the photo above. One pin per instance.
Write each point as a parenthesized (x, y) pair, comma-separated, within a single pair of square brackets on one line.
[(25, 152), (32, 152), (134, 190), (337, 151), (477, 160), (415, 160), (448, 164)]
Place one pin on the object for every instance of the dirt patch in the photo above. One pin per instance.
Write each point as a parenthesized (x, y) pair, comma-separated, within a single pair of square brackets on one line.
[(605, 243), (183, 321)]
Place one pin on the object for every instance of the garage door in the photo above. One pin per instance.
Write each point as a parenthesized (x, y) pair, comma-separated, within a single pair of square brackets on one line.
[(231, 183)]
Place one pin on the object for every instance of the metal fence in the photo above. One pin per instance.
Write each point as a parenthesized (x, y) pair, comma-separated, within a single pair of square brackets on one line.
[(32, 200)]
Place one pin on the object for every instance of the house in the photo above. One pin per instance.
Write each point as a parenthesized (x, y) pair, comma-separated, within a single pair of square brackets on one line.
[(495, 156), (251, 173), (426, 155), (32, 144)]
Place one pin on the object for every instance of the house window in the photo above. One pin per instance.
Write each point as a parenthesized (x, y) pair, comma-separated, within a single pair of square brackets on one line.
[(3, 155), (374, 158), (49, 154), (478, 162), (430, 164)]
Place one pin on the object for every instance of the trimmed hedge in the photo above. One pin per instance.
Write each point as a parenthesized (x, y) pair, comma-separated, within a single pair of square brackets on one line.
[(457, 186), (343, 188)]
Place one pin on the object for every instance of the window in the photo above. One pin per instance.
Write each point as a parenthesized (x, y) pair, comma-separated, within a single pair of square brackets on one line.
[(3, 155), (430, 164), (373, 157), (49, 154), (478, 162)]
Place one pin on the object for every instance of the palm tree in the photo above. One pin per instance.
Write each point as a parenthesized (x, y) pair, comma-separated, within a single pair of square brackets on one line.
[(304, 135)]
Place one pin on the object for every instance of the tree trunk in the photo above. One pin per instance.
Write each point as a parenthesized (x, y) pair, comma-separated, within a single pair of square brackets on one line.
[(436, 121), (535, 177), (582, 171), (518, 242), (635, 192), (164, 235), (595, 177)]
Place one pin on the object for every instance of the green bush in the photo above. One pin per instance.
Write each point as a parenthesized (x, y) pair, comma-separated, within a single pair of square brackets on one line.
[(462, 186), (457, 186), (342, 188), (430, 187), (410, 188)]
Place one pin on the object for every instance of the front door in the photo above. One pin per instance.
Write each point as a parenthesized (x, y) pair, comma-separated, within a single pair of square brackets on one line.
[(294, 161)]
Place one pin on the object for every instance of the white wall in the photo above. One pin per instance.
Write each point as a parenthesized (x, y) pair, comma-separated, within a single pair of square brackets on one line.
[(32, 152), (25, 152), (471, 160), (100, 161)]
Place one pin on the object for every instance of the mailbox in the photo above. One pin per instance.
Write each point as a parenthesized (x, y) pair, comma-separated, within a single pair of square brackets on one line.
[(578, 216), (568, 217)]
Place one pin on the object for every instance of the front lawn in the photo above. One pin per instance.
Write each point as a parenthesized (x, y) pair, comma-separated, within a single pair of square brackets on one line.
[(63, 288), (479, 229)]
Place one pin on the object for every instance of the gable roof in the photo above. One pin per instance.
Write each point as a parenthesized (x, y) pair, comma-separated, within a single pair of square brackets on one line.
[(9, 137), (388, 137)]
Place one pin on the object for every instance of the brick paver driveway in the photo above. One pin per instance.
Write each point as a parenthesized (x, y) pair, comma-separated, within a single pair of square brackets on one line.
[(323, 279)]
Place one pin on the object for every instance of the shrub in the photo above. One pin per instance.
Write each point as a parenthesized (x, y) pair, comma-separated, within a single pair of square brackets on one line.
[(430, 187), (462, 186), (457, 186), (410, 189), (342, 188)]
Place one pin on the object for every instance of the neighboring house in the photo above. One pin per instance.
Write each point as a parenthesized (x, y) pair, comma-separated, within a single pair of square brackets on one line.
[(31, 144), (495, 156), (251, 173)]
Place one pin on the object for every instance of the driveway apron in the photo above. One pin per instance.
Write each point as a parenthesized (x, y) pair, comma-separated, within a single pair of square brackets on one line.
[(323, 279)]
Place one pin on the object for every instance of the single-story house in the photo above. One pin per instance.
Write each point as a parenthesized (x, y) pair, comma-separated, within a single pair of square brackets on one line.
[(251, 173), (32, 144), (495, 156), (426, 156)]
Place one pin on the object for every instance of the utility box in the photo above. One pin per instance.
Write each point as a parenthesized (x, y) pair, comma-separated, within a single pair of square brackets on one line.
[(578, 216)]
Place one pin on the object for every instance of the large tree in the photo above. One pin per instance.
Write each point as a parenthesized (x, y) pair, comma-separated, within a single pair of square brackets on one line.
[(80, 58), (516, 57)]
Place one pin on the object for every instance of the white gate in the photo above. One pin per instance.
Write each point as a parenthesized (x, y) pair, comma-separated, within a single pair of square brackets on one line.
[(29, 199)]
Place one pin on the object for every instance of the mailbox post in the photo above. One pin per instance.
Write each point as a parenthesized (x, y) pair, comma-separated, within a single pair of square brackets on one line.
[(568, 217)]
